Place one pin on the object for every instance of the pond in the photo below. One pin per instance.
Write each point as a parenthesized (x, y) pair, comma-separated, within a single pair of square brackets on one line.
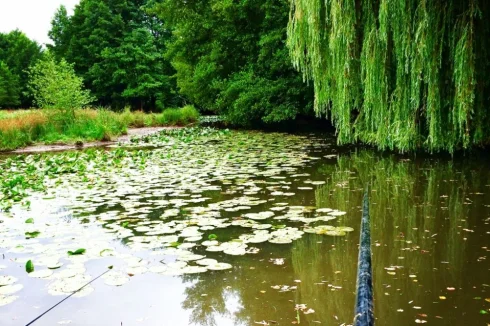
[(216, 227)]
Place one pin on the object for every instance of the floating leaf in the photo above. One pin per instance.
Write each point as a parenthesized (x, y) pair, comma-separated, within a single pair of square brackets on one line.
[(34, 234), (7, 280), (6, 299), (115, 278), (10, 289), (80, 251), (30, 220), (212, 236), (175, 244), (279, 226), (29, 266), (45, 273)]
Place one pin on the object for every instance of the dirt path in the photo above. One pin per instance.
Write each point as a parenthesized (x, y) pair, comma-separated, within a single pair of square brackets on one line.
[(121, 139)]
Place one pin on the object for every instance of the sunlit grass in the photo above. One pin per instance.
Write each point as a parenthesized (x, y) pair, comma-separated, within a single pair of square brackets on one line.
[(24, 127)]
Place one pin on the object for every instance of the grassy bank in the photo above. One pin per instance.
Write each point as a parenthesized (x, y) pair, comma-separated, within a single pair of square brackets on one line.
[(26, 127)]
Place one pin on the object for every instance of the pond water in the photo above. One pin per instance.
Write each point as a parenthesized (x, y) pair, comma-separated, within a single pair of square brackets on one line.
[(207, 227)]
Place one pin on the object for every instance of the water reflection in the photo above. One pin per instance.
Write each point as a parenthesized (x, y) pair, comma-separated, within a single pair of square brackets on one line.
[(429, 229), (426, 226), (430, 234)]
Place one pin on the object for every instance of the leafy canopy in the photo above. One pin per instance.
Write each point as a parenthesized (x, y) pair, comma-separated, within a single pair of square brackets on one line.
[(17, 54), (398, 74), (117, 47), (231, 58), (55, 85)]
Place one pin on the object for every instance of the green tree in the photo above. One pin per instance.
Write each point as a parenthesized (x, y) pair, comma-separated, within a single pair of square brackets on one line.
[(138, 69), (231, 58), (18, 53), (117, 47), (9, 87), (54, 85), (398, 74), (60, 32)]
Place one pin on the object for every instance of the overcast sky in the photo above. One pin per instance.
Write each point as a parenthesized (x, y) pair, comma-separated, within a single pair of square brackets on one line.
[(33, 17)]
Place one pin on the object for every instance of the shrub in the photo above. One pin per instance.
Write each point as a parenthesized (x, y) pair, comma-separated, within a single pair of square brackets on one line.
[(183, 116), (54, 85)]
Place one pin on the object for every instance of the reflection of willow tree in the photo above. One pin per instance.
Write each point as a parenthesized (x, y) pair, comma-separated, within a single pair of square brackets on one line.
[(205, 298), (417, 213), (319, 267)]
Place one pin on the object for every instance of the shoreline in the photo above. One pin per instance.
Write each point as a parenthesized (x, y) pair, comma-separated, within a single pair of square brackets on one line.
[(42, 148)]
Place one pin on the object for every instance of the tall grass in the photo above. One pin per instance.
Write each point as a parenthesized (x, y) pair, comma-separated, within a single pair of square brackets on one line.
[(25, 127)]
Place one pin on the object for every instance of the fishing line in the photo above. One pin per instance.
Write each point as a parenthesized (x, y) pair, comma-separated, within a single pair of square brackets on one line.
[(38, 317)]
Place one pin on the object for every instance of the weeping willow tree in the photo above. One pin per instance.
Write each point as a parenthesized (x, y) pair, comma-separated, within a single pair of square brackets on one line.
[(398, 74)]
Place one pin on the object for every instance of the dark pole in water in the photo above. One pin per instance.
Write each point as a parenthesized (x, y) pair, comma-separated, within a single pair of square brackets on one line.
[(364, 301)]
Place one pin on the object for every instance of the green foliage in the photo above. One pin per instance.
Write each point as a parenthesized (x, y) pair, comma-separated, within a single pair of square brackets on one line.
[(9, 87), (117, 47), (29, 266), (34, 234), (231, 58), (172, 117), (22, 128), (17, 54), (80, 251), (54, 85), (398, 74)]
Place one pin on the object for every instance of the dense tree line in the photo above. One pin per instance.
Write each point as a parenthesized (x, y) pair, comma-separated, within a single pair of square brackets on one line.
[(17, 54), (118, 48), (225, 57), (230, 57)]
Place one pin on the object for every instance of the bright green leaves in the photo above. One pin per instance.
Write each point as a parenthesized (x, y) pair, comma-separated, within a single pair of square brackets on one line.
[(33, 234), (80, 251), (55, 85), (396, 74), (244, 73), (122, 59), (29, 266), (29, 221), (9, 87), (17, 54), (174, 244)]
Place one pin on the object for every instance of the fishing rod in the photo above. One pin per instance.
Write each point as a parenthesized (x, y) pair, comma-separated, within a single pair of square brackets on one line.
[(364, 300), (44, 313)]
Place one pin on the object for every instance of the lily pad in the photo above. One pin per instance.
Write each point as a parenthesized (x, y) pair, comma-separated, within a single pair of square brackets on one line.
[(29, 266), (6, 299), (7, 280), (43, 273), (80, 251), (10, 289), (115, 278), (219, 266)]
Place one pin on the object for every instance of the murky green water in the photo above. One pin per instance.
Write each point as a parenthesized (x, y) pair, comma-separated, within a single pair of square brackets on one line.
[(255, 192)]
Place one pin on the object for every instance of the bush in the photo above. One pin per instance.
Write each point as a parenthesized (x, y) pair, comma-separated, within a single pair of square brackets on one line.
[(177, 117), (54, 85)]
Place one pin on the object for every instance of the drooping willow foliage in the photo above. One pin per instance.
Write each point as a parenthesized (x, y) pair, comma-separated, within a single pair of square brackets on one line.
[(398, 74)]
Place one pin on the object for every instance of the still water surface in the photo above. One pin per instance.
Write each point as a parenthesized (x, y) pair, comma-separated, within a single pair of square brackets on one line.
[(430, 234)]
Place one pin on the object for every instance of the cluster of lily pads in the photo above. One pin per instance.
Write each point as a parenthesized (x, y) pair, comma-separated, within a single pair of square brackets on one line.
[(169, 207)]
